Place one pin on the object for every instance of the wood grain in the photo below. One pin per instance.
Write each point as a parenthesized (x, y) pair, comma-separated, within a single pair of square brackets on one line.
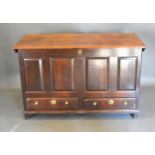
[(97, 70), (109, 67), (61, 41)]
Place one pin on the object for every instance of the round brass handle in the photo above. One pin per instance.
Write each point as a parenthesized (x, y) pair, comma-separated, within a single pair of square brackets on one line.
[(125, 103), (66, 102), (53, 102), (94, 103), (36, 103), (80, 52), (111, 102)]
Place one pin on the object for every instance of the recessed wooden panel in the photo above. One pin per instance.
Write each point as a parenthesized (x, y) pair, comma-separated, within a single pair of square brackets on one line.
[(97, 74), (127, 73), (34, 74), (63, 74)]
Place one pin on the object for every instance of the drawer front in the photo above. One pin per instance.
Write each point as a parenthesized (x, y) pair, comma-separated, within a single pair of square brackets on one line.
[(51, 104), (110, 103)]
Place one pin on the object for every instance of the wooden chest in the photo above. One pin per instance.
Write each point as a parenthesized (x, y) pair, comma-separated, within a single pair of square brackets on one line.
[(80, 73)]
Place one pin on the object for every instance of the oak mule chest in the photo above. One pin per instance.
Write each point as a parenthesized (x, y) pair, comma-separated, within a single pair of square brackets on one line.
[(80, 73)]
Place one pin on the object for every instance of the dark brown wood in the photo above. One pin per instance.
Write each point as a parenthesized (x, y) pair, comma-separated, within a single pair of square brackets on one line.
[(97, 70), (127, 73), (80, 80), (22, 77), (118, 103), (91, 111), (63, 74), (34, 74), (46, 104)]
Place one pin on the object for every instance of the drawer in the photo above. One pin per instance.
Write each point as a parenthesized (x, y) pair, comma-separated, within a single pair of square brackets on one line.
[(51, 103), (110, 103)]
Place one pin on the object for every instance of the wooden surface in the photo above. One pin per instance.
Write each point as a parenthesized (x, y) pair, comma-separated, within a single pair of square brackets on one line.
[(62, 41), (86, 78), (80, 79), (31, 112)]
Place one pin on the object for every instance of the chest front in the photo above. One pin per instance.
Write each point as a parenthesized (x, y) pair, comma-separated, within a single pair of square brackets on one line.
[(80, 80)]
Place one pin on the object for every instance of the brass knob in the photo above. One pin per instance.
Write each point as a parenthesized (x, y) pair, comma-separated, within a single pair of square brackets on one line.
[(125, 103), (94, 103), (36, 103), (53, 102), (66, 102), (80, 52), (28, 99), (111, 102)]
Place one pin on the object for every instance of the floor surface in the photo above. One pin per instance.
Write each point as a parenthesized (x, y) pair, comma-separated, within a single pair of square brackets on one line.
[(11, 117)]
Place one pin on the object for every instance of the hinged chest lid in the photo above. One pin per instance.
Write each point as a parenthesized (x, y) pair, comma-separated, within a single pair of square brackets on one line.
[(61, 41)]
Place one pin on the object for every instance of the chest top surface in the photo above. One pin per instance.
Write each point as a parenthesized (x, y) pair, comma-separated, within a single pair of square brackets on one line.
[(69, 41)]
